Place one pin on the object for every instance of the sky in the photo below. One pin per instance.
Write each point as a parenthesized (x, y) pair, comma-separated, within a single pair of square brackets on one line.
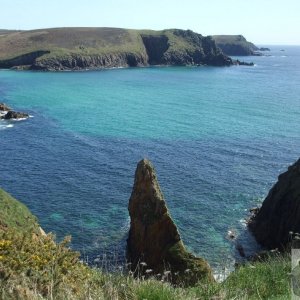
[(263, 22)]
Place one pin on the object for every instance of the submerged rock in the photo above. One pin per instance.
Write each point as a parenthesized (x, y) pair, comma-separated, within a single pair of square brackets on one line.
[(279, 215), (14, 115), (154, 241)]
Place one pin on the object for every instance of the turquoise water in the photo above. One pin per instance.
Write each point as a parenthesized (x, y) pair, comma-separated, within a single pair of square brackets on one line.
[(218, 138)]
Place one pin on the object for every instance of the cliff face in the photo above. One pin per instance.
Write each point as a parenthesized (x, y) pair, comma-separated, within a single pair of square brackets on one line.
[(153, 239), (198, 50), (79, 62), (235, 45), (24, 59), (96, 48), (280, 211)]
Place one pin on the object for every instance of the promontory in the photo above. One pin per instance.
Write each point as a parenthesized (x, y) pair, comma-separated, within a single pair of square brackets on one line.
[(96, 48)]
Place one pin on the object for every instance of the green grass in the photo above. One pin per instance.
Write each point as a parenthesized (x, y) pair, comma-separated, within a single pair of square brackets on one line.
[(267, 279), (232, 39), (39, 268), (14, 214), (63, 42)]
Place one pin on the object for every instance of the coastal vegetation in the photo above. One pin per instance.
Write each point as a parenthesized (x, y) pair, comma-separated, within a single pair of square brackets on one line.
[(36, 267)]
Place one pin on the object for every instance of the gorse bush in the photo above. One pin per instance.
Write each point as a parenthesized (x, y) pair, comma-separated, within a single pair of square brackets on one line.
[(47, 266)]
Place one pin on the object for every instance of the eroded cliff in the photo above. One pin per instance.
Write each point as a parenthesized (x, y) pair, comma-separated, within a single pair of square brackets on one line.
[(279, 215)]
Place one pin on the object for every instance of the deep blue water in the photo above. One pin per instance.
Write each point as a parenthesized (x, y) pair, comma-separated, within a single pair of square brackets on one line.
[(218, 138)]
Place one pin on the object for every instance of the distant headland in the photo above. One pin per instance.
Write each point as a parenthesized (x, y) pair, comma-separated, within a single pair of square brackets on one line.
[(59, 49), (237, 45)]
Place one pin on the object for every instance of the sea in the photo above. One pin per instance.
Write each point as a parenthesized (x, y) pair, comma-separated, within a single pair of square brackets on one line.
[(217, 136)]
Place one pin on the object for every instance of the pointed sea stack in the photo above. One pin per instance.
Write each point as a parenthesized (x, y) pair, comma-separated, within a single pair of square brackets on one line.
[(280, 211), (154, 242)]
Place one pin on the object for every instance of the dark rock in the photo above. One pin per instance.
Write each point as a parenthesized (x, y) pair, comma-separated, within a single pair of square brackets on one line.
[(264, 49), (14, 115), (240, 249), (279, 215), (242, 63), (91, 62), (154, 241), (4, 107), (22, 60), (156, 46)]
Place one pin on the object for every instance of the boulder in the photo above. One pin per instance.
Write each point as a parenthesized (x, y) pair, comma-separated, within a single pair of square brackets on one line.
[(14, 115), (154, 242), (279, 215)]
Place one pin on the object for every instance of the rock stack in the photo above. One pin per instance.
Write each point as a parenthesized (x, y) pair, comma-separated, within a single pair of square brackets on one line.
[(6, 113), (154, 244)]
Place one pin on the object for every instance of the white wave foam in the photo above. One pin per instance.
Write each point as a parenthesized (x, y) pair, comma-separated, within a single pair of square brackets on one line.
[(243, 222), (222, 273), (3, 113), (5, 126), (20, 119)]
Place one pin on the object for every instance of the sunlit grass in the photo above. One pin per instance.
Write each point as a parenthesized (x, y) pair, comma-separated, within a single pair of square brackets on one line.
[(36, 267)]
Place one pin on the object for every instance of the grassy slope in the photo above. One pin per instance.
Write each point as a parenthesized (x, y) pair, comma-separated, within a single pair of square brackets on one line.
[(7, 31), (83, 41), (14, 214), (35, 267), (233, 39)]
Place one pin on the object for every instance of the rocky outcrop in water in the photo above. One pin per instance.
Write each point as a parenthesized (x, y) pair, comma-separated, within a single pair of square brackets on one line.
[(14, 115), (264, 49), (154, 242), (242, 63), (7, 113), (279, 215)]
